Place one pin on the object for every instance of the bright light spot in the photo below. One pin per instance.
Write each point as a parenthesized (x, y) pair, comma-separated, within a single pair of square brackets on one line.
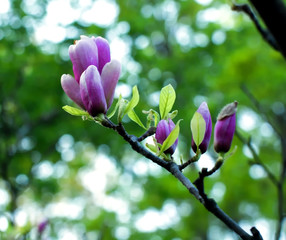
[(67, 234), (248, 153), (140, 168), (68, 208), (120, 48), (142, 42), (4, 224), (204, 2), (154, 98), (21, 218), (218, 191), (247, 120), (122, 89), (4, 197), (147, 11), (206, 162), (152, 219), (167, 11), (257, 172), (43, 170), (5, 6), (201, 39), (278, 108), (56, 16), (54, 34), (221, 15), (266, 130), (65, 142), (122, 233), (183, 35), (103, 13), (185, 209), (218, 37)]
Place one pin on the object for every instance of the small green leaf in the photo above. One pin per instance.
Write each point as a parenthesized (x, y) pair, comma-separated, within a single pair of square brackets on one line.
[(134, 100), (172, 114), (152, 116), (152, 147), (198, 127), (170, 140), (75, 111), (121, 108), (167, 99), (110, 115), (134, 117)]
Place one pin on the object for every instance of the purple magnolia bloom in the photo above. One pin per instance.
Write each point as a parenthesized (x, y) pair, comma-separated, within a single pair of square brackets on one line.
[(225, 128), (97, 91), (204, 111), (96, 76), (163, 130)]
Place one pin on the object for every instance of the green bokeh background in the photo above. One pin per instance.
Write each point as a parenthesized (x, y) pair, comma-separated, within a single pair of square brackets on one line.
[(45, 153)]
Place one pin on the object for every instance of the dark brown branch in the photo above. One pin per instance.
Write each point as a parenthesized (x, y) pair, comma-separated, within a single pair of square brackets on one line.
[(190, 161), (268, 37), (148, 133), (174, 169), (273, 14)]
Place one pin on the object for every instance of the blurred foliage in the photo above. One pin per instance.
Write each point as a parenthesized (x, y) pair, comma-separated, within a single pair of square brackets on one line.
[(84, 178)]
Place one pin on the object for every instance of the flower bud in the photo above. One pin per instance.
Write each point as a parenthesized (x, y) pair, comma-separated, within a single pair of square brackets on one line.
[(225, 128), (164, 128), (204, 111), (96, 76)]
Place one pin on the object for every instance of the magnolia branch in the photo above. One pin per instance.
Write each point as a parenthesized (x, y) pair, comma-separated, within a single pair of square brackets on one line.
[(176, 171)]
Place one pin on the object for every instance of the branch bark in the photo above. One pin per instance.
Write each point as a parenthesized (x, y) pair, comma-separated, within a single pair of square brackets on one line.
[(273, 14)]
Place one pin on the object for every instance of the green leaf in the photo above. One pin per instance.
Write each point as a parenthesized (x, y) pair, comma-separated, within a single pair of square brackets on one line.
[(198, 127), (172, 114), (152, 147), (75, 111), (152, 116), (110, 115), (134, 100), (167, 99), (134, 117), (170, 140), (121, 108)]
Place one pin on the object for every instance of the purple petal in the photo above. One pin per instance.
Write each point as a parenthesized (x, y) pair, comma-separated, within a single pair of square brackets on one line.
[(162, 131), (223, 134), (71, 88), (103, 52), (92, 93), (164, 128), (83, 54), (109, 77)]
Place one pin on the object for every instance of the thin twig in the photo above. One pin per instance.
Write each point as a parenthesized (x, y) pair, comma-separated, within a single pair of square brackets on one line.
[(268, 37), (174, 169), (148, 133), (190, 161), (256, 158)]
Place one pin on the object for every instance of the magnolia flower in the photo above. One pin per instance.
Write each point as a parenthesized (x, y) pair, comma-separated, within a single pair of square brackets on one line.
[(204, 111), (95, 76), (225, 128), (164, 128)]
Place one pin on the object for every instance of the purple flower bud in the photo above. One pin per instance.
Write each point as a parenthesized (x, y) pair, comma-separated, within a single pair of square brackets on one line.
[(71, 88), (92, 93), (42, 226), (164, 128), (225, 128), (204, 111), (83, 54)]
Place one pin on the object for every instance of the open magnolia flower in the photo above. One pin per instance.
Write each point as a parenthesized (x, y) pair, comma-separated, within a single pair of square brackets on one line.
[(95, 75)]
